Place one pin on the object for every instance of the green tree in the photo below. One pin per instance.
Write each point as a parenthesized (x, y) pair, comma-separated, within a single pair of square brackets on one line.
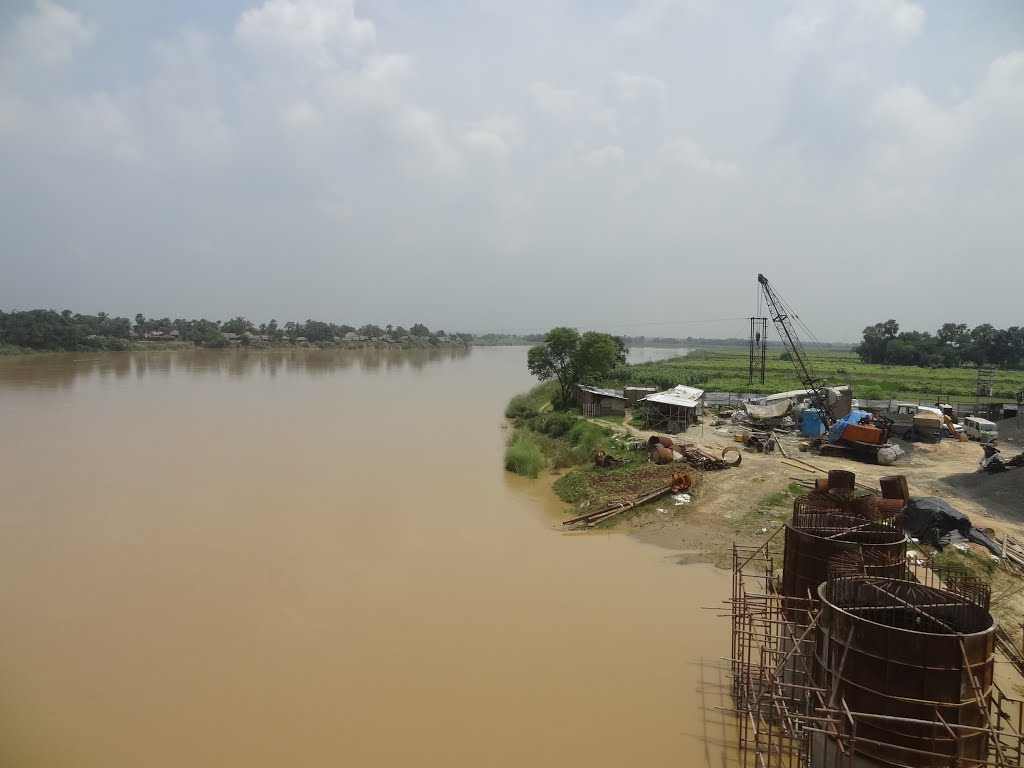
[(570, 358), (207, 334), (119, 327), (237, 325), (419, 330)]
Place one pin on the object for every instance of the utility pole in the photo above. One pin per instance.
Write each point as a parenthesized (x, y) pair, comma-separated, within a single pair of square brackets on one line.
[(758, 344), (986, 382)]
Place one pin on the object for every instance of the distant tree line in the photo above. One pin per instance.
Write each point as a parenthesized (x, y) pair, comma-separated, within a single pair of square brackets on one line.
[(640, 341), (47, 329), (952, 345), (695, 341)]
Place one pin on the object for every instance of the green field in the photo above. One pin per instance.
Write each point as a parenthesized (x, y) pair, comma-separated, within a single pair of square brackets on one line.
[(726, 370)]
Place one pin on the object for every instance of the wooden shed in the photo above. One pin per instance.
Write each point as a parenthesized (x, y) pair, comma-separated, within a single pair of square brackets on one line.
[(594, 401), (633, 394), (674, 409)]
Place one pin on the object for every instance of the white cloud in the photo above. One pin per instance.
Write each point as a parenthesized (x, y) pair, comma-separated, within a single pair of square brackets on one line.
[(900, 18), (486, 141), (51, 35), (608, 156), (633, 88), (553, 102), (799, 28), (495, 135), (387, 68), (820, 24), (685, 153), (322, 32), (301, 115)]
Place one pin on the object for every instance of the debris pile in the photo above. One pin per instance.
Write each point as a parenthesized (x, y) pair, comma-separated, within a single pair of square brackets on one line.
[(661, 450), (604, 459)]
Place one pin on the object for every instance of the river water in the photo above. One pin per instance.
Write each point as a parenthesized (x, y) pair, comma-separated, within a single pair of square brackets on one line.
[(315, 559)]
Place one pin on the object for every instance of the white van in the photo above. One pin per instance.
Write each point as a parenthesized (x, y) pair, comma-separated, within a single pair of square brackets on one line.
[(980, 429)]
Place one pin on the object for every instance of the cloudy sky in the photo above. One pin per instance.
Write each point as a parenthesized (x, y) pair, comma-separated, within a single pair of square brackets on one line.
[(492, 165)]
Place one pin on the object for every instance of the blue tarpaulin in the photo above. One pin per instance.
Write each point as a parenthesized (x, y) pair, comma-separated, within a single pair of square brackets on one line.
[(853, 417)]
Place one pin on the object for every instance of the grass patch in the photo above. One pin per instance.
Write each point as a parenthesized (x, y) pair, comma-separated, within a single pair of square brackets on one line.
[(586, 437), (531, 403), (777, 499), (770, 510), (972, 562), (523, 456), (559, 453), (11, 349), (595, 487), (572, 487), (553, 423)]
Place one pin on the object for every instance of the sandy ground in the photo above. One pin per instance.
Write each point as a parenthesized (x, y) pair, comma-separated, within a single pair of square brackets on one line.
[(705, 529)]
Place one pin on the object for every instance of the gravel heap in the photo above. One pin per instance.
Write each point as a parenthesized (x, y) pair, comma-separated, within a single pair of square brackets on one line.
[(1011, 431), (1004, 490)]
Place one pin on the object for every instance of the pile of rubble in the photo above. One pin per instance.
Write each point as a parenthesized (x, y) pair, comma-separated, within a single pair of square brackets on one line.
[(662, 450)]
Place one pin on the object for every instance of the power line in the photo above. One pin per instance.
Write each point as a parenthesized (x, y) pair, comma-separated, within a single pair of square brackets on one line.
[(636, 324)]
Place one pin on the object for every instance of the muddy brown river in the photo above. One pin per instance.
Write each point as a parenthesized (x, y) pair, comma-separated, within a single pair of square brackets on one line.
[(312, 559)]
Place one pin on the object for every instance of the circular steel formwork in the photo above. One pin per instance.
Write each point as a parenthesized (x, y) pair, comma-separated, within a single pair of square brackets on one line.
[(903, 652), (816, 541)]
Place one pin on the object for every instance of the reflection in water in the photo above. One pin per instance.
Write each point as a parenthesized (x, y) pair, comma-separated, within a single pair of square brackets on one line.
[(62, 370), (314, 558)]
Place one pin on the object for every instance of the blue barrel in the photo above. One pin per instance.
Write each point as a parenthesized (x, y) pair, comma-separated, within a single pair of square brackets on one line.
[(812, 423)]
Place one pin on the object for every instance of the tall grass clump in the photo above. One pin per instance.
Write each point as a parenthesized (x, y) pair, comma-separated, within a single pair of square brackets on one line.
[(554, 423), (585, 437), (531, 403), (523, 456)]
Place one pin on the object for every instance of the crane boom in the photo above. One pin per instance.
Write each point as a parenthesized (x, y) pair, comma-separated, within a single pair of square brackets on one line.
[(808, 376)]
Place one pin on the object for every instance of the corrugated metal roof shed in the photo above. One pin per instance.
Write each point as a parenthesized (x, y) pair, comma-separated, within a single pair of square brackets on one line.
[(683, 396), (601, 392)]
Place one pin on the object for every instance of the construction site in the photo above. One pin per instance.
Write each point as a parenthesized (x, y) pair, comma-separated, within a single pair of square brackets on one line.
[(850, 656), (853, 643)]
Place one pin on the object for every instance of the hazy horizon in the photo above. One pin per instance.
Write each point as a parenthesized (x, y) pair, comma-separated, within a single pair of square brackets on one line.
[(623, 167)]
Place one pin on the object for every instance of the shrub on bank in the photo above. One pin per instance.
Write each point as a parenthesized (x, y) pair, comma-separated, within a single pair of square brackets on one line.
[(531, 403), (523, 456), (586, 437), (572, 486), (554, 423)]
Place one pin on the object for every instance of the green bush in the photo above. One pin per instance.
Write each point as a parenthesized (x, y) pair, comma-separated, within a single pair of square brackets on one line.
[(523, 456), (586, 437), (555, 423), (529, 404)]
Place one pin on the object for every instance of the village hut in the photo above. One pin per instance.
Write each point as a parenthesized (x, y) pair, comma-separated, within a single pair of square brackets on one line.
[(635, 394), (673, 410), (594, 401)]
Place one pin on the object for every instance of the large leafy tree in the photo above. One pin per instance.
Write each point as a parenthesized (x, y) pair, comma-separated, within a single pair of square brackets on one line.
[(237, 325), (571, 358)]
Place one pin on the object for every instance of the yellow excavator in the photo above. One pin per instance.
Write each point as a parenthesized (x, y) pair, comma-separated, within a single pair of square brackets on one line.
[(952, 428)]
